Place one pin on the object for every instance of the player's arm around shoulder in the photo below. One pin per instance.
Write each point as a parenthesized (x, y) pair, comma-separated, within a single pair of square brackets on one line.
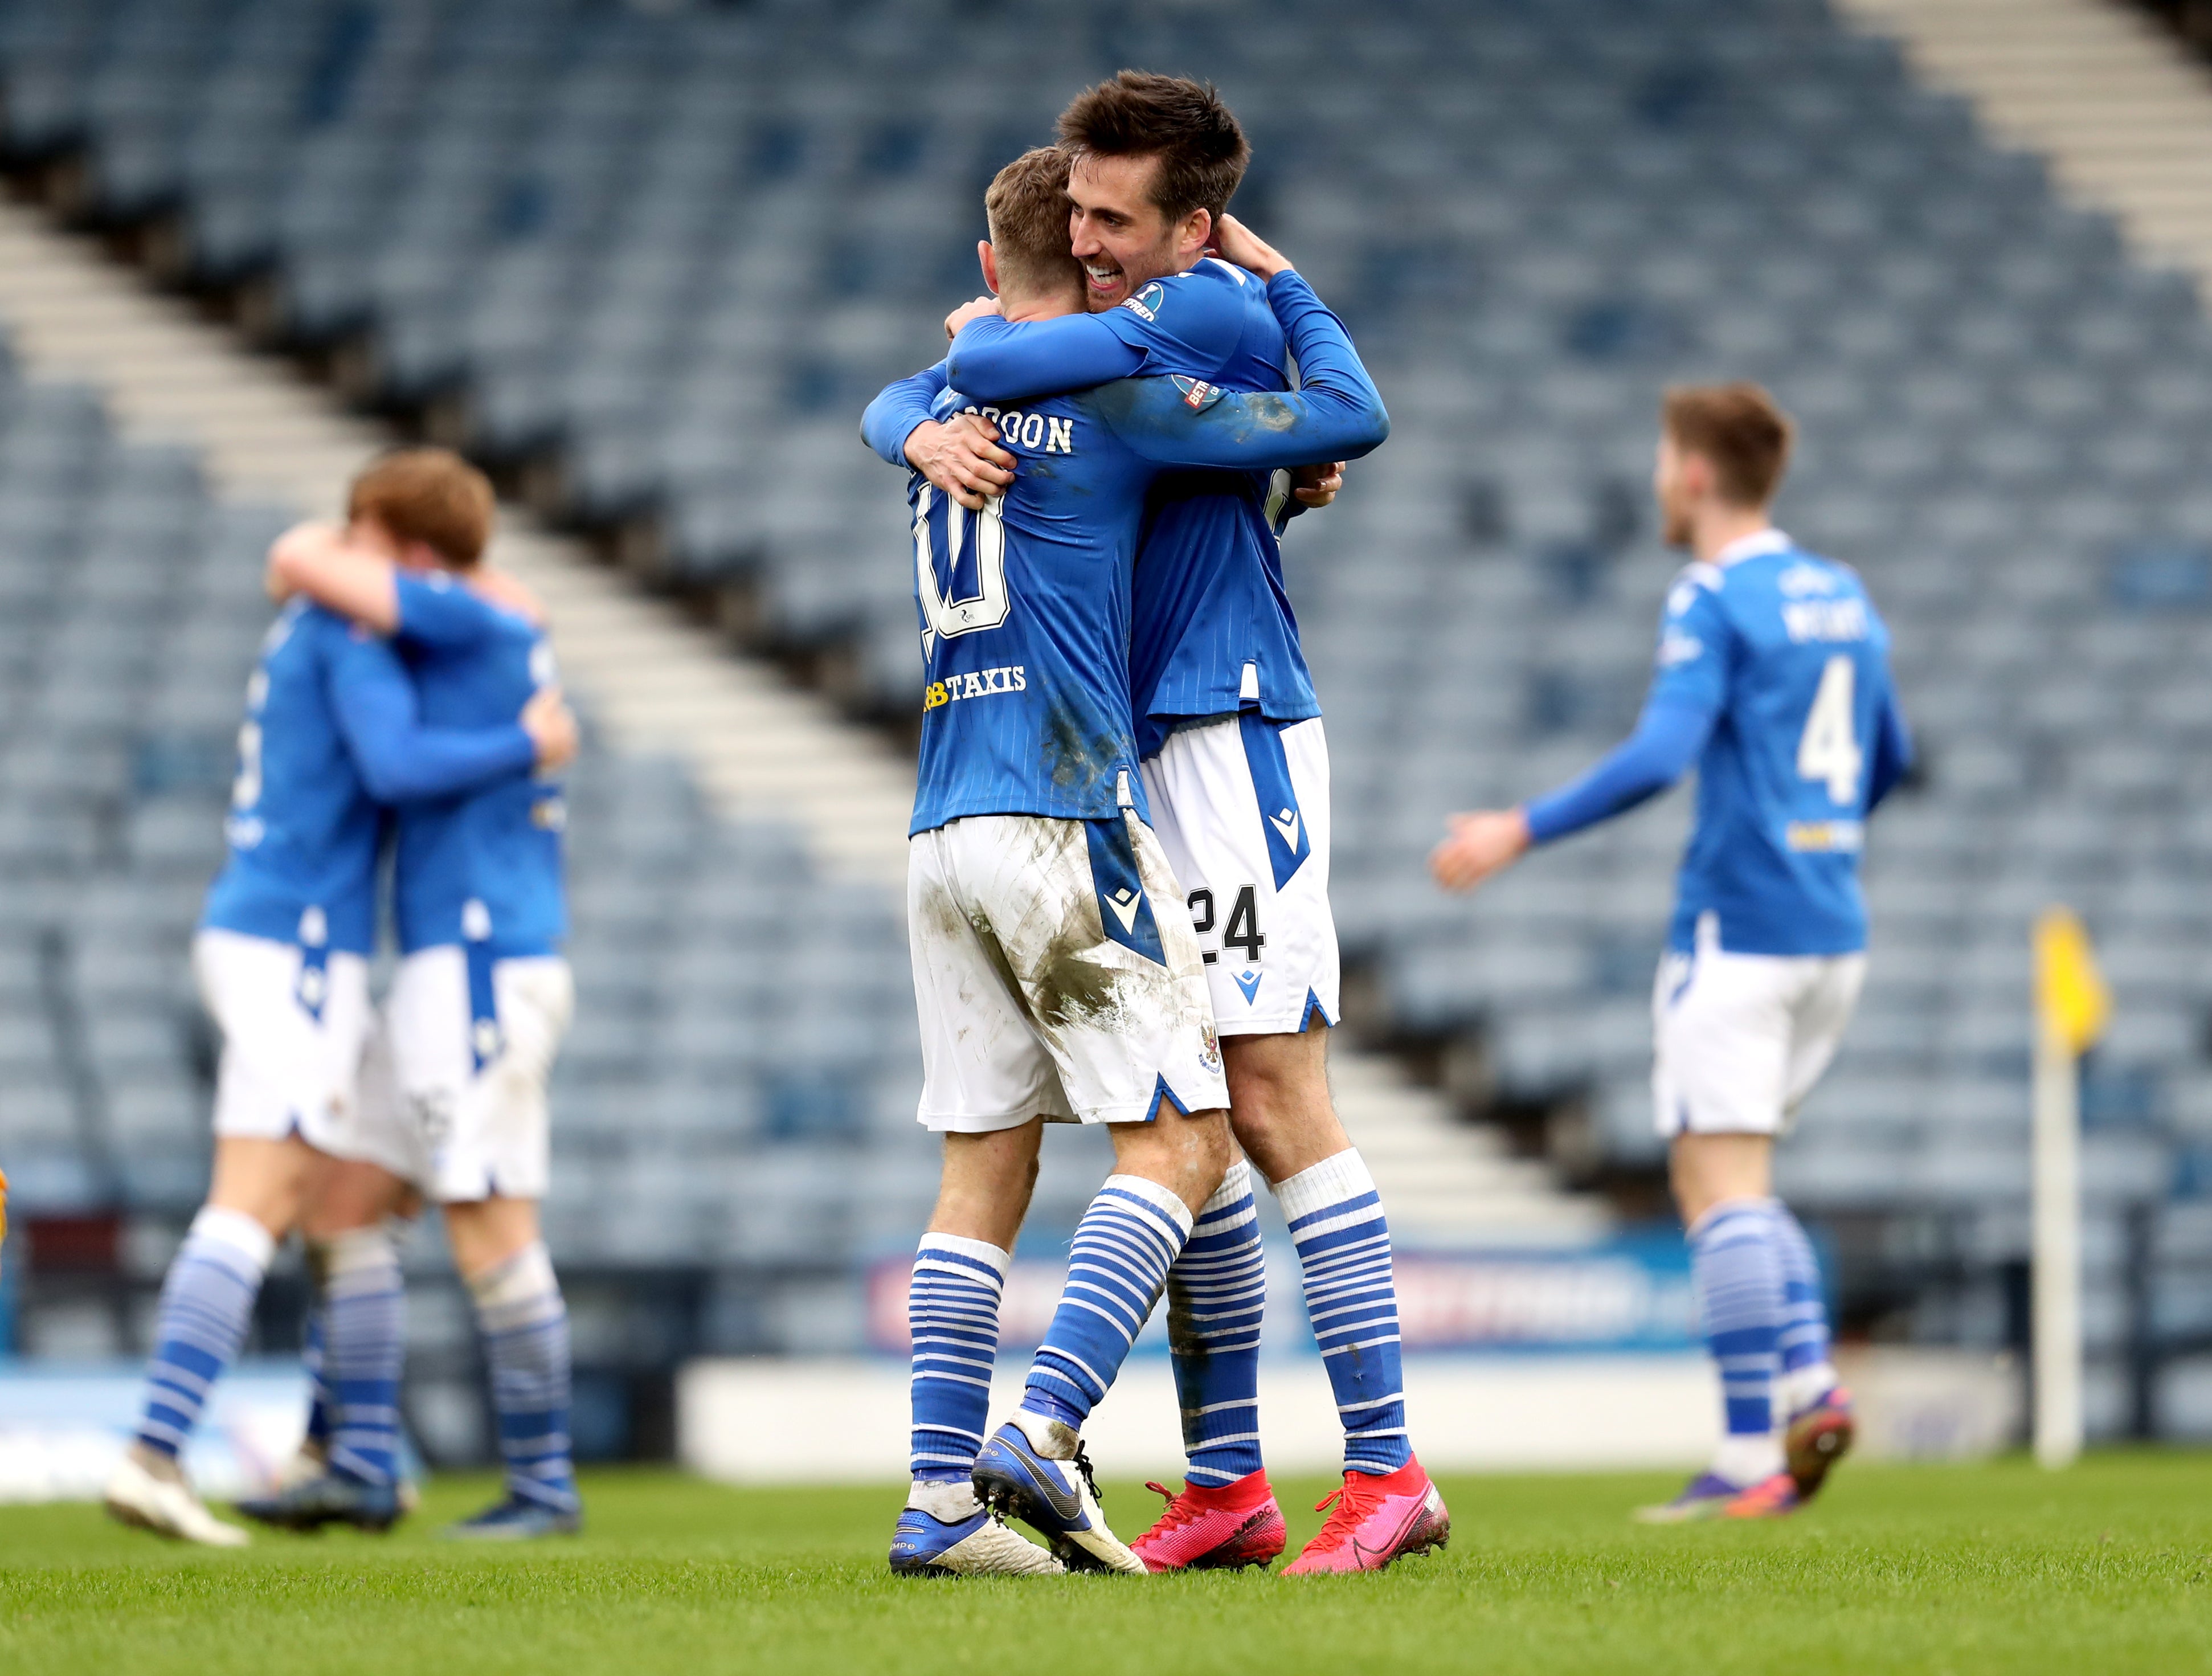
[(315, 560)]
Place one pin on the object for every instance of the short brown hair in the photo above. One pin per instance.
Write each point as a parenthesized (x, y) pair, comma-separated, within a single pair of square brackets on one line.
[(431, 496), (1202, 150), (1740, 429), (1028, 207)]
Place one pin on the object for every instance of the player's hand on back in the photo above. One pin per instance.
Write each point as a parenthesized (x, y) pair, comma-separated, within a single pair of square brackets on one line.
[(551, 726), (1239, 244), (1316, 486), (969, 310), (961, 456), (1482, 843)]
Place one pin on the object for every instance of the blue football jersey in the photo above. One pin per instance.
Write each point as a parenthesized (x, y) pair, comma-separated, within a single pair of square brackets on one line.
[(1025, 606), (333, 729), (1789, 653), (483, 868), (1213, 628), (302, 828)]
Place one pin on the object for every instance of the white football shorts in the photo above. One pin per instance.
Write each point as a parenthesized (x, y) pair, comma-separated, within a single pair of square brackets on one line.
[(1241, 809), (1055, 975), (454, 1091), (1740, 1039), (292, 1022)]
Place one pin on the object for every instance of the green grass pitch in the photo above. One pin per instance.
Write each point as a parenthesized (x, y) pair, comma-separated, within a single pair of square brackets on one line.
[(2002, 1568)]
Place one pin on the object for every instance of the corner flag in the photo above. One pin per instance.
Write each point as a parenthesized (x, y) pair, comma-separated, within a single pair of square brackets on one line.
[(2071, 1001)]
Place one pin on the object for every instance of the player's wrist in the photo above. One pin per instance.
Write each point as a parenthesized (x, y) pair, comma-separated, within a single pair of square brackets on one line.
[(920, 453)]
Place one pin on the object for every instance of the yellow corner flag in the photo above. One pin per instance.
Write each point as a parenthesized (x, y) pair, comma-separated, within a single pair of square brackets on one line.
[(2071, 1001)]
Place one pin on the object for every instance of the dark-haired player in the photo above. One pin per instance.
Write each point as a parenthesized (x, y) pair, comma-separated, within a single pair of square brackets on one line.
[(1773, 681)]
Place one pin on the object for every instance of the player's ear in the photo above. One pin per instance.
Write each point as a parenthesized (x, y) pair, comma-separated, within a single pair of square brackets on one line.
[(989, 258), (1197, 231)]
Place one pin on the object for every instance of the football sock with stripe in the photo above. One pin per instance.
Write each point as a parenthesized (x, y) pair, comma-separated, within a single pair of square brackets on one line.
[(1117, 1267), (1736, 1263), (207, 1303), (365, 1305), (1216, 1291), (1343, 1241), (952, 1314), (525, 1327), (1808, 1375)]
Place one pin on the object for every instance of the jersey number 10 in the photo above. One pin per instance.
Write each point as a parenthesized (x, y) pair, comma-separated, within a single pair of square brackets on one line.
[(1829, 748), (976, 539)]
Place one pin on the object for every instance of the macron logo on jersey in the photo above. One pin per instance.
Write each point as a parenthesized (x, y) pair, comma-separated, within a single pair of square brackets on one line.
[(1145, 304)]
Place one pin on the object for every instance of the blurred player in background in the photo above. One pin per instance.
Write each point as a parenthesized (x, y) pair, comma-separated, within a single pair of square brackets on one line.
[(482, 997), (333, 730), (1237, 770), (1048, 986), (1773, 681)]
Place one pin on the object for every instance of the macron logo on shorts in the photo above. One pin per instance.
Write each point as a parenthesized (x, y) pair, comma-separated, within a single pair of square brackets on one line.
[(1286, 822), (1249, 983), (1125, 902)]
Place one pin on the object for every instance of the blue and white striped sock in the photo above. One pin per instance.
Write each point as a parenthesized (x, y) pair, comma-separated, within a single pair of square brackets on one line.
[(525, 1339), (1216, 1292), (1115, 1268), (1808, 1375), (1343, 1248), (952, 1314), (207, 1303), (365, 1303), (1736, 1262)]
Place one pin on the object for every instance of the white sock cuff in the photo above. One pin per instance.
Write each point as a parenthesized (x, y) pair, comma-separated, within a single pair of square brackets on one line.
[(980, 1251), (357, 1251), (1331, 1182), (1168, 1203), (526, 1276), (235, 1231), (1235, 1186)]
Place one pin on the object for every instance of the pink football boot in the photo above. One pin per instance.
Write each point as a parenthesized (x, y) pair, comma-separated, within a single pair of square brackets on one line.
[(1209, 1528), (1377, 1520)]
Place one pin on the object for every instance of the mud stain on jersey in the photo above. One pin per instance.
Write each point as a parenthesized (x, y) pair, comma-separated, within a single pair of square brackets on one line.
[(1073, 756)]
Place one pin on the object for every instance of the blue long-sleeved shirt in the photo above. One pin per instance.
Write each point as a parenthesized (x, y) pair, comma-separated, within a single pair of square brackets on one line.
[(1212, 628), (332, 731), (1773, 678)]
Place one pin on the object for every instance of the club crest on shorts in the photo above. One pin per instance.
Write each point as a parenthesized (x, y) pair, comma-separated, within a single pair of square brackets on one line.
[(1209, 1046)]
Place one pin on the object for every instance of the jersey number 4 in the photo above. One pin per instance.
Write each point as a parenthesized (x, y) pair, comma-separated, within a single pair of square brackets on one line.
[(1829, 748), (975, 547)]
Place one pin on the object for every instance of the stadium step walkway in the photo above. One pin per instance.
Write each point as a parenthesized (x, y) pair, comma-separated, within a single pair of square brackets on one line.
[(654, 681), (2122, 116)]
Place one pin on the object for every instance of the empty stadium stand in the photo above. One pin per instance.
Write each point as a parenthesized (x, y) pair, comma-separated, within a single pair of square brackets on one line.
[(651, 262)]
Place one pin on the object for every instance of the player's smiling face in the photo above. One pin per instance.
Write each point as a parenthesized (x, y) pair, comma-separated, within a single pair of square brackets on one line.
[(1120, 234)]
